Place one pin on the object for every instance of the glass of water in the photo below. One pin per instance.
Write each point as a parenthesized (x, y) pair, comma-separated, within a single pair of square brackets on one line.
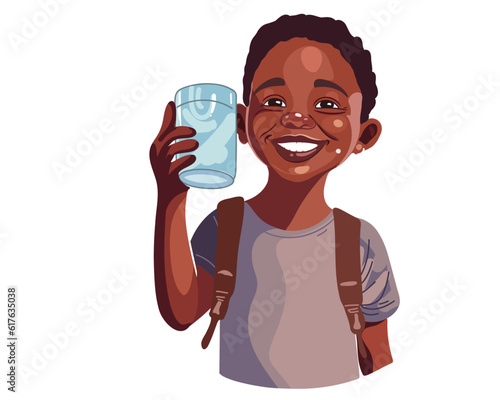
[(211, 110)]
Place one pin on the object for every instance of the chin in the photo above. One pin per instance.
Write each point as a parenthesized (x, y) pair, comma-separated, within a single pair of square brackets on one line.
[(298, 173)]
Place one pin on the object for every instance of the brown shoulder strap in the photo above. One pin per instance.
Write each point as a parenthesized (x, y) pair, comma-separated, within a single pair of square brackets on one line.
[(348, 266), (229, 221)]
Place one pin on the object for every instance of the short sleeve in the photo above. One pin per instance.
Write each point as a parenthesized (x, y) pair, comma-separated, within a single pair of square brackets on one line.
[(380, 295), (204, 243)]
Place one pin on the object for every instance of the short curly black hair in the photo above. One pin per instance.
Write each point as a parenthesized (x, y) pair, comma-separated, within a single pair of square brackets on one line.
[(323, 30)]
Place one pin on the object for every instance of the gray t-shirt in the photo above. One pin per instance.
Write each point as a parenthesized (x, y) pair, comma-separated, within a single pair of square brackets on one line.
[(285, 326)]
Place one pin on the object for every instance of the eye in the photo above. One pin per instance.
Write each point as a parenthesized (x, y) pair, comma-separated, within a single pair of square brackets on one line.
[(326, 104), (274, 102)]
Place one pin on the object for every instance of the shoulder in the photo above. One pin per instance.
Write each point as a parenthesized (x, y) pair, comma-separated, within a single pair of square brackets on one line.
[(370, 239), (368, 231), (380, 295)]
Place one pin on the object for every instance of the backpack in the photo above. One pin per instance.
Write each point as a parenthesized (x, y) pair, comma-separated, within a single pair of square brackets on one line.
[(347, 258)]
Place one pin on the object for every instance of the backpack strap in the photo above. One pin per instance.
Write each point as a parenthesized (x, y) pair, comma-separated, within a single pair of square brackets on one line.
[(348, 267), (229, 222)]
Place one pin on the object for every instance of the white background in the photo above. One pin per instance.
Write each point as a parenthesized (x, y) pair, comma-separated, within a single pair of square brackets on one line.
[(61, 239)]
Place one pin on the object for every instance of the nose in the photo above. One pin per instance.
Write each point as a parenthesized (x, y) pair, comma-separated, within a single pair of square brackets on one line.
[(296, 120)]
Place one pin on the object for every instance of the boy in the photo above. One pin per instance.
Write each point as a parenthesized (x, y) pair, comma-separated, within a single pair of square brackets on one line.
[(308, 92)]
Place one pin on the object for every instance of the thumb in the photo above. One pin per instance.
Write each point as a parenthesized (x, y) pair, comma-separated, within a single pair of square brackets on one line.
[(168, 120)]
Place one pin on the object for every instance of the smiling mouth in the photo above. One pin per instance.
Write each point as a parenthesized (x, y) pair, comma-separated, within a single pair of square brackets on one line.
[(297, 148)]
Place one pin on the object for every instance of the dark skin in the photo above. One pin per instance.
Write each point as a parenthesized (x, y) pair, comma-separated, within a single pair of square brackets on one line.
[(307, 106), (301, 87)]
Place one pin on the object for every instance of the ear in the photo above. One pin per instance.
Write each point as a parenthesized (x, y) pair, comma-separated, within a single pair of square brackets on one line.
[(370, 132), (241, 117)]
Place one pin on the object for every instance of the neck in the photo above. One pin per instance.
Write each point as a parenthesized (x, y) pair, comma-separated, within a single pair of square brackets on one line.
[(291, 205)]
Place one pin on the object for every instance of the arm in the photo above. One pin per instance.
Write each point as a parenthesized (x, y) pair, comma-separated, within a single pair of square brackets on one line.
[(377, 345), (183, 295), (380, 299)]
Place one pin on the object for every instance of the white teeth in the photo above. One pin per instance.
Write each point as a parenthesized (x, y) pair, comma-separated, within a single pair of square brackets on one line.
[(298, 146)]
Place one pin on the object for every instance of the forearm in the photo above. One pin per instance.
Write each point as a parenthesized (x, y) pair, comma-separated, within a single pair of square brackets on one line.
[(175, 276), (377, 345)]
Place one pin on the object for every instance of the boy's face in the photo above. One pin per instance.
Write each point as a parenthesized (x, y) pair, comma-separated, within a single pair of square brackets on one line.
[(306, 92)]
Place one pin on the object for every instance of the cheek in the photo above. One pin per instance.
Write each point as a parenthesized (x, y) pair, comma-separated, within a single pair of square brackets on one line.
[(263, 123), (337, 127), (355, 103), (355, 125), (338, 123), (258, 122), (260, 126)]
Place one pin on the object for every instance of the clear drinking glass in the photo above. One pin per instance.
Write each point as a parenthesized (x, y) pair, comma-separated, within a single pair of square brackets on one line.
[(211, 110)]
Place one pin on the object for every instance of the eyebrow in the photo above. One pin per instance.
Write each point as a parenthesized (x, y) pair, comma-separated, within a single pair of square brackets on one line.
[(325, 83), (271, 82)]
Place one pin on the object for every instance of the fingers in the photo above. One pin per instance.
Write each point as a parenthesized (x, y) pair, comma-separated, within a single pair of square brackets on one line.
[(165, 147), (180, 132), (181, 163), (183, 146)]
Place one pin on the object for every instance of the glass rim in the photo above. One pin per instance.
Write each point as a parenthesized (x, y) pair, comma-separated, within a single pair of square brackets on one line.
[(204, 84)]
